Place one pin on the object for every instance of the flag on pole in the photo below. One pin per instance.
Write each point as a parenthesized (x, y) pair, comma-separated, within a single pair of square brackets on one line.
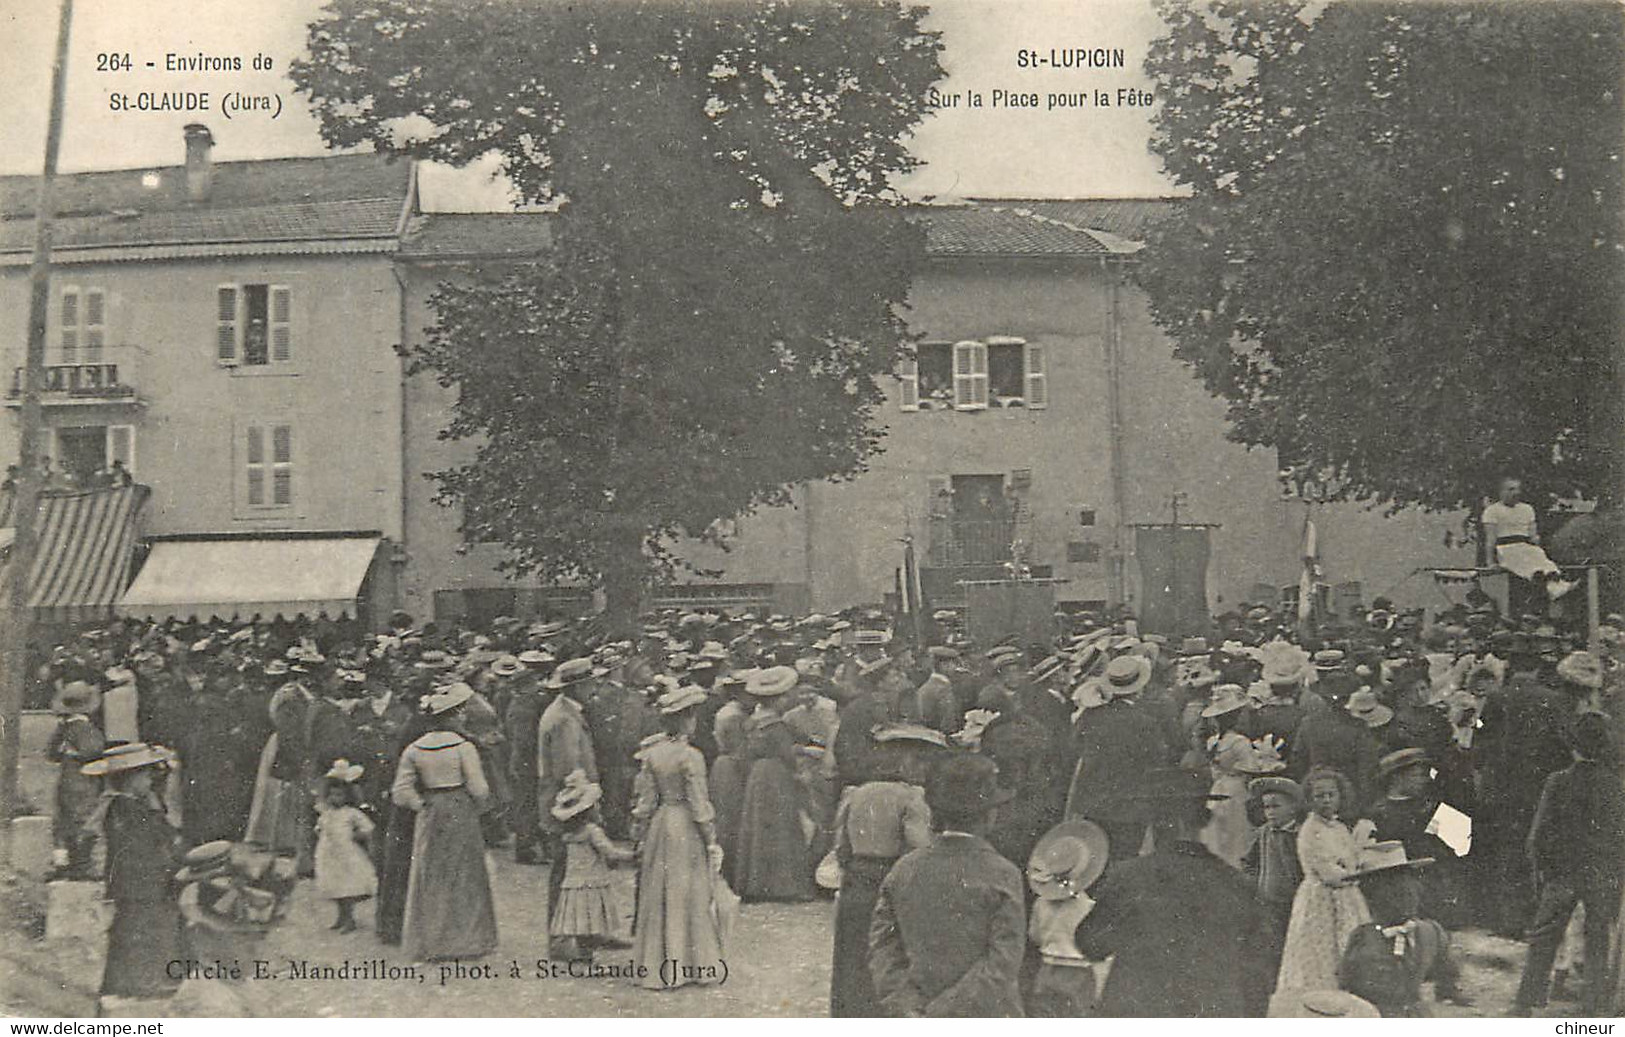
[(1311, 571)]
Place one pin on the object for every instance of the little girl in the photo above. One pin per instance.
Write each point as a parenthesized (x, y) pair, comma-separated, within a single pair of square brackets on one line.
[(344, 871), (587, 910)]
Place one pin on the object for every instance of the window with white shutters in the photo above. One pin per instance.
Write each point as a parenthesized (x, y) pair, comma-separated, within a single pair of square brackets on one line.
[(254, 324), (1037, 380), (267, 466), (281, 335), (226, 324), (95, 325), (908, 385), (970, 375), (69, 320)]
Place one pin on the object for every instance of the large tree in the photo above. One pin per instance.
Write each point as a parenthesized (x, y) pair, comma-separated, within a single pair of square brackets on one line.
[(1402, 261), (730, 258)]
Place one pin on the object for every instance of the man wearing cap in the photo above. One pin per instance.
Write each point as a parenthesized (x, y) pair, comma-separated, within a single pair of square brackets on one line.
[(1190, 938), (949, 927), (1118, 744), (1574, 846), (935, 701), (563, 745)]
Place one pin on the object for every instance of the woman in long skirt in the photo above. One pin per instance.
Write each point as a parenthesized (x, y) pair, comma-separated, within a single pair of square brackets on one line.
[(728, 773), (147, 932), (392, 852), (772, 847), (1329, 905), (449, 913), (879, 822), (673, 822), (280, 816)]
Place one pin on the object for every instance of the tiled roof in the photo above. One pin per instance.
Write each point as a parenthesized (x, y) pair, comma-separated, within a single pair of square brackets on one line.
[(482, 235), (1003, 229), (1126, 217), (332, 197)]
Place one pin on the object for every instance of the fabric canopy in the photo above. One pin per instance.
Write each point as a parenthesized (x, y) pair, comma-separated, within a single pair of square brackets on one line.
[(243, 577), (85, 543)]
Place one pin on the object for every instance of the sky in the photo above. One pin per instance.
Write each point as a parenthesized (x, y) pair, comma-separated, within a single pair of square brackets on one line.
[(990, 151)]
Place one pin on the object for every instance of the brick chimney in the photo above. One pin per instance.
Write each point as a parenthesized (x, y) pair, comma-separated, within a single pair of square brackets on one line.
[(199, 167)]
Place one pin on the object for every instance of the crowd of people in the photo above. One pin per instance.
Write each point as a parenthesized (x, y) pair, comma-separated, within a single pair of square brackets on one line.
[(1255, 821)]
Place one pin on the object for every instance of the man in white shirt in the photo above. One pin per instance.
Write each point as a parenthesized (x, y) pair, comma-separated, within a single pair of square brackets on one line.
[(1509, 524)]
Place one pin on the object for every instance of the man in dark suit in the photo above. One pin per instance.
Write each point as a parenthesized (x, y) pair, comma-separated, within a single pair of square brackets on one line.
[(1118, 743), (1577, 848), (1188, 932), (949, 927)]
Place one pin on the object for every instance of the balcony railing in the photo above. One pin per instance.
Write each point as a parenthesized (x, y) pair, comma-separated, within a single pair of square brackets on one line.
[(108, 379), (957, 542)]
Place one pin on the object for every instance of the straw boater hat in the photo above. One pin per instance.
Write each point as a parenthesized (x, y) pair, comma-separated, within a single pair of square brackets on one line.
[(1389, 855), (1227, 698), (871, 637), (771, 682), (1582, 668), (1126, 675), (1067, 860), (130, 756), (576, 797), (447, 698), (1404, 759), (679, 699), (571, 671), (507, 666), (76, 697), (345, 771), (1257, 788), (1321, 1004), (535, 657), (205, 861), (1364, 705), (908, 735)]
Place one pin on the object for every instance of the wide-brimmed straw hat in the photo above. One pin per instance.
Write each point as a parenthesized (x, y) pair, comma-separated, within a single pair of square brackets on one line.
[(1067, 860), (771, 682), (679, 699), (447, 698), (576, 797), (908, 734), (1227, 698), (129, 756), (1401, 760), (571, 671), (76, 697), (507, 666), (1364, 705), (1582, 668), (205, 861)]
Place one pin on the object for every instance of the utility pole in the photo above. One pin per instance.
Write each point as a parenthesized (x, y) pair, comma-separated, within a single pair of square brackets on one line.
[(25, 505)]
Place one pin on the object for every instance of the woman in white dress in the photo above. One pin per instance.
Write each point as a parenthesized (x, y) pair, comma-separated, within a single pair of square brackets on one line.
[(1328, 906)]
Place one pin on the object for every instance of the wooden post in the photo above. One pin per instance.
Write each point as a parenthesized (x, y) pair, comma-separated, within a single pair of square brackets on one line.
[(14, 640), (1593, 610)]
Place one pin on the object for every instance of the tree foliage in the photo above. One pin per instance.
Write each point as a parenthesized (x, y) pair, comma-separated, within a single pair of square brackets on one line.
[(1402, 262), (730, 258)]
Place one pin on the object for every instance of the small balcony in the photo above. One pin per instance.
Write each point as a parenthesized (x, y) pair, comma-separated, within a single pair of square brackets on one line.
[(106, 378), (956, 542)]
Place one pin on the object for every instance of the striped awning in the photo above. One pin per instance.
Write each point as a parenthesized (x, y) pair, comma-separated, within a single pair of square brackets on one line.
[(246, 576), (85, 545)]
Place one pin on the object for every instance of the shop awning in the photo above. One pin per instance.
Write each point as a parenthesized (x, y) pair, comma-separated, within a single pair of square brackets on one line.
[(85, 545), (243, 577)]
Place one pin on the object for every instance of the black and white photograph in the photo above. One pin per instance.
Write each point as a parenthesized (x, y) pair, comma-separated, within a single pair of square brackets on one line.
[(529, 509)]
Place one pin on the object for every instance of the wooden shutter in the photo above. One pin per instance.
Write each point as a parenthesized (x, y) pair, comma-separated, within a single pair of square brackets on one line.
[(970, 376), (226, 324), (908, 377), (121, 446), (282, 465), (70, 325), (95, 324), (1037, 377), (281, 333), (254, 465)]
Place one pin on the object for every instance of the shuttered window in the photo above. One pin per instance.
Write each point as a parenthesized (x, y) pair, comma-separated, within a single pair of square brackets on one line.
[(226, 324), (95, 325), (121, 446), (70, 318), (281, 335), (908, 385), (970, 375), (268, 466), (1037, 382)]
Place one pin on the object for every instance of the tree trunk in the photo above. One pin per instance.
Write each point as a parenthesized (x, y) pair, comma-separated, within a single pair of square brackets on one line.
[(625, 572)]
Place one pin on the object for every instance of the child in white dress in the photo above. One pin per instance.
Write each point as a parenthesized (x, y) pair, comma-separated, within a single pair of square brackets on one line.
[(588, 910), (344, 872)]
